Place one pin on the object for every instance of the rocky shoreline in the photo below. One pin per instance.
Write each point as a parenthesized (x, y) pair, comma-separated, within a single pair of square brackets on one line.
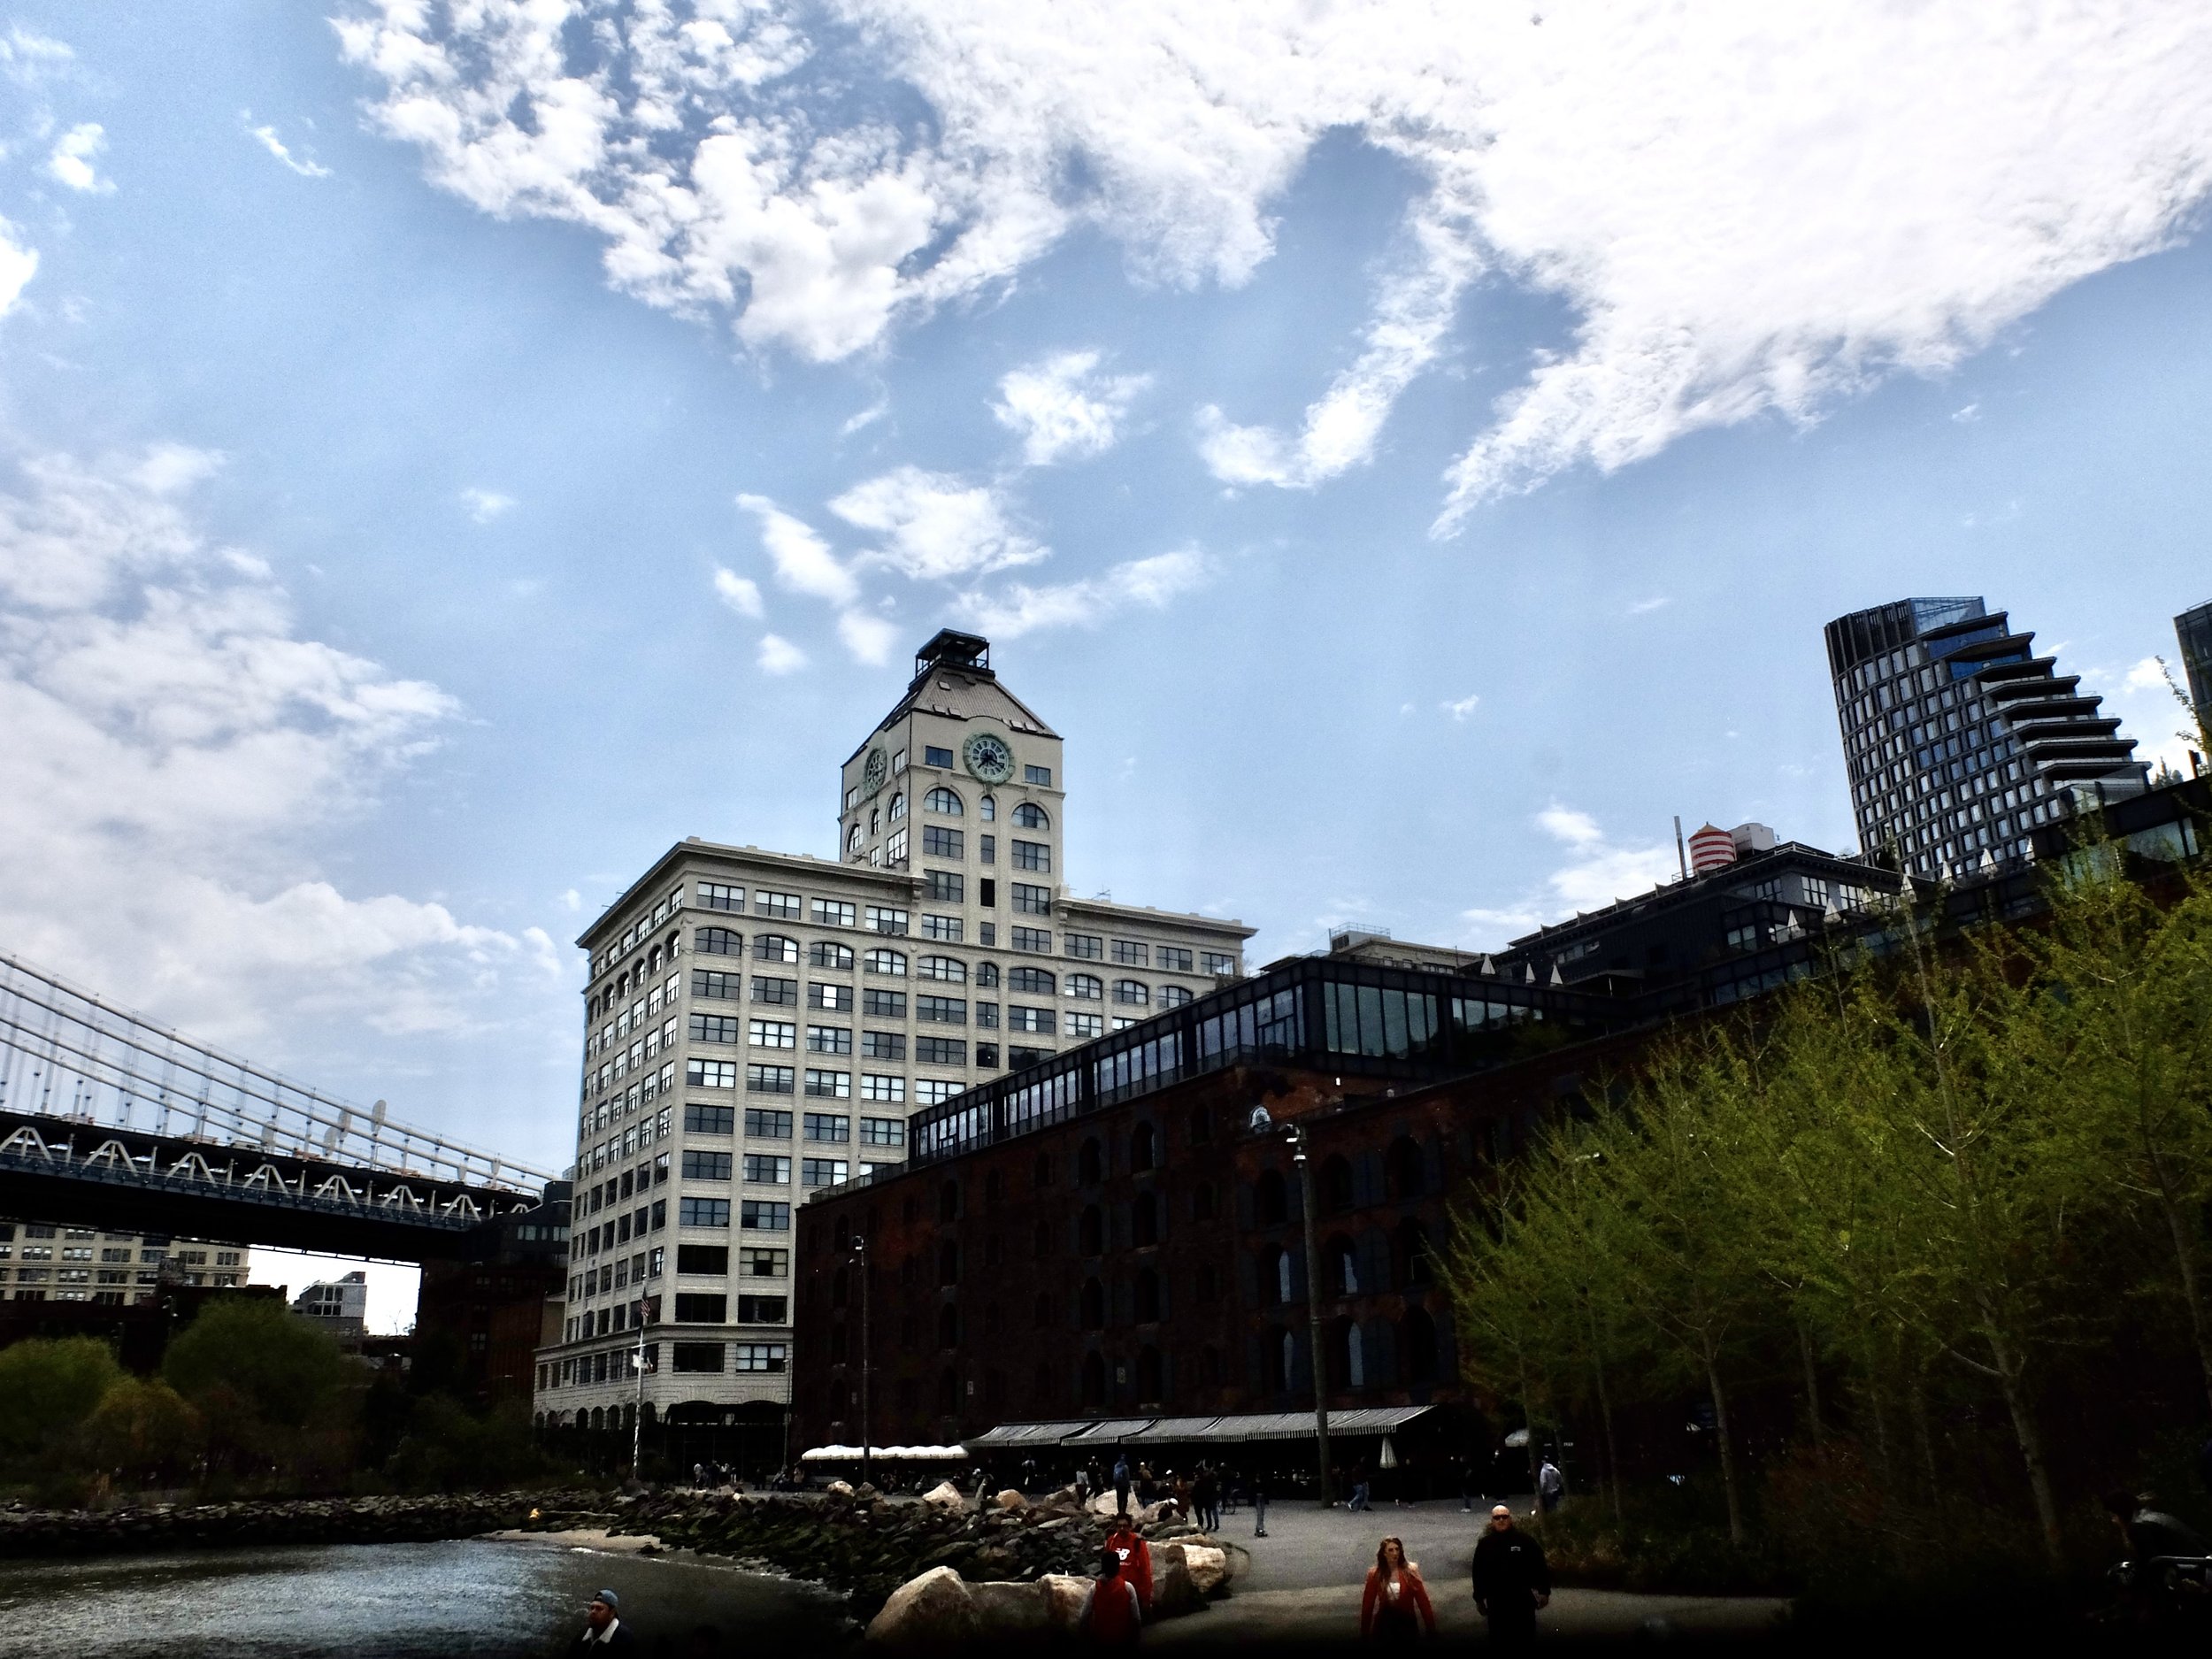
[(25, 1532)]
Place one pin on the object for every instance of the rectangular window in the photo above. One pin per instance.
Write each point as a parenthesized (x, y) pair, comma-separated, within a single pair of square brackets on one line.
[(711, 1074), (1129, 953), (768, 1080), (941, 1010), (986, 1016), (987, 851), (884, 1004), (761, 1357), (759, 1215), (697, 1356), (703, 1212), (943, 887), (946, 928), (767, 1123), (723, 986), (757, 1261), (1032, 855), (829, 1085), (932, 756), (716, 895), (836, 999), (707, 1166), (703, 1258), (783, 906), (829, 1040), (698, 1307), (877, 1088), (714, 1028), (1016, 1058), (882, 1132), (1033, 1020), (774, 1034), (1088, 947), (821, 1171), (783, 992), (884, 919), (1042, 776), (1216, 962), (933, 1090), (942, 1050), (882, 1045), (894, 848), (1032, 939), (761, 1310), (1086, 1025), (942, 843), (828, 1126), (765, 1169), (834, 913), (1032, 899), (1175, 959)]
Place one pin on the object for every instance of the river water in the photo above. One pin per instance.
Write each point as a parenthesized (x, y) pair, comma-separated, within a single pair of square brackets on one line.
[(468, 1597)]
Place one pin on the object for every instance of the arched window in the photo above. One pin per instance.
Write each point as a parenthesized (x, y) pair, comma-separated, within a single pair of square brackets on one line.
[(1090, 1231), (1147, 1297), (1094, 1367), (1340, 1262), (987, 809), (948, 1202), (718, 941), (1201, 1201), (1043, 1310), (1336, 1186), (1087, 988), (1044, 1171), (885, 960), (1037, 981), (949, 1261), (654, 959), (948, 1393), (949, 969), (987, 975), (1408, 1171), (824, 953), (1351, 1355), (1278, 1356), (1086, 1165), (1417, 1340), (1141, 1145), (948, 1326), (1274, 1275), (1148, 1374), (1132, 992), (1410, 1251), (854, 837), (898, 806), (875, 819), (1031, 816), (1271, 1204), (942, 800), (1144, 1220), (1282, 1276), (774, 948), (1172, 995), (1094, 1307)]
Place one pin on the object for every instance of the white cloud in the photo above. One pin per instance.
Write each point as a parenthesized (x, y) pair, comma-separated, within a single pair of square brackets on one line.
[(75, 159), (1463, 708), (778, 655), (870, 638), (26, 56), (1597, 871), (867, 417), (1745, 208), (18, 266), (1063, 408), (484, 506), (935, 525), (2149, 712), (266, 137), (1644, 607), (1150, 583), (740, 593), (166, 723), (804, 561)]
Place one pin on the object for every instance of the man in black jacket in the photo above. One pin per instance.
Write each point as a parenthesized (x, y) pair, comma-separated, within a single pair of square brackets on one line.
[(1512, 1580), (602, 1627)]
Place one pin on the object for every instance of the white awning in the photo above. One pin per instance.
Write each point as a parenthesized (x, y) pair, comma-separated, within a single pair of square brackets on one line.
[(888, 1454)]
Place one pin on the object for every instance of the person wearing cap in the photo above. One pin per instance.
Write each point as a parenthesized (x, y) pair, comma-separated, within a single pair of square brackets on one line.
[(602, 1626), (1512, 1580)]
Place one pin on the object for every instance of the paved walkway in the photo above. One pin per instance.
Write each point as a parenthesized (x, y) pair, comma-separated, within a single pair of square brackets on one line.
[(1302, 1584)]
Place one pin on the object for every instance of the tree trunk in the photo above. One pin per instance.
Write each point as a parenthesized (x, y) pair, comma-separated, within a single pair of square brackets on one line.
[(1612, 1445), (2031, 1440), (1812, 1385), (1918, 1398), (1727, 1452), (2179, 1228)]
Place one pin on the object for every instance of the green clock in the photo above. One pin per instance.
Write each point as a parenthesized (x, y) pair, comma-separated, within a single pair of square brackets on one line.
[(872, 772), (987, 757)]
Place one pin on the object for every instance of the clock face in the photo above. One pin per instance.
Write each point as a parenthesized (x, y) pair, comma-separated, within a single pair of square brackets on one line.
[(871, 773), (988, 757)]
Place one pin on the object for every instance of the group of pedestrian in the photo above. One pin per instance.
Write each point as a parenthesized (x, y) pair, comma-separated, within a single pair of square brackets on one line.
[(711, 1477)]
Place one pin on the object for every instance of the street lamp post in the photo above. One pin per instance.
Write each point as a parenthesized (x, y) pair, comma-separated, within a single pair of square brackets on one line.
[(637, 1409), (1318, 1364), (867, 1464)]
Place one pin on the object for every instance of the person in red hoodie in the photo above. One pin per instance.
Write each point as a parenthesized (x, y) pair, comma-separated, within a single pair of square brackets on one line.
[(1136, 1558), (1112, 1616), (1395, 1606)]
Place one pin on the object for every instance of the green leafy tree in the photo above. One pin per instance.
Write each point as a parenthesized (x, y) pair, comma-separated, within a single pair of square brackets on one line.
[(257, 1354), (50, 1386), (141, 1427)]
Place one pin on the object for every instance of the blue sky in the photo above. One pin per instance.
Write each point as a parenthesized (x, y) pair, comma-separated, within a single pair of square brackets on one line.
[(1409, 459)]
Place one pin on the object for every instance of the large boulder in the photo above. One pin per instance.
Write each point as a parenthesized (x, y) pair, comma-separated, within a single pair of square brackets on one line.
[(1174, 1589), (934, 1610), (945, 1495), (839, 1489), (1011, 1501), (1022, 1612), (1209, 1567), (1104, 1503), (1065, 1597)]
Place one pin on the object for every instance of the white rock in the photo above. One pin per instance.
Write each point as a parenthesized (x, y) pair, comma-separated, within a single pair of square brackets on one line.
[(934, 1610), (839, 1489), (945, 1495), (1209, 1567), (1065, 1596), (1011, 1500), (1007, 1607), (1174, 1589)]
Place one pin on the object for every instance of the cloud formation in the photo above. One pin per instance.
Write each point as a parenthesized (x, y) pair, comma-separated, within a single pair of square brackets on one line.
[(740, 593), (266, 136), (1595, 871), (1145, 583), (935, 525), (484, 506), (74, 159), (18, 264), (1745, 208), (1063, 409), (778, 655), (174, 747)]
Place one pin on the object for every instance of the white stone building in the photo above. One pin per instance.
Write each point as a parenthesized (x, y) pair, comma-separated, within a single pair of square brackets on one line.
[(43, 1261), (759, 1025)]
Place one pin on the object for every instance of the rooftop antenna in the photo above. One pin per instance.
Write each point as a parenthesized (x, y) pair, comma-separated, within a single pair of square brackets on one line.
[(1681, 852)]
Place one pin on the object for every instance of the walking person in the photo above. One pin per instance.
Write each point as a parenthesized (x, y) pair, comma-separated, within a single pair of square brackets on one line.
[(1551, 1486), (1259, 1506), (1361, 1485), (1395, 1607), (1112, 1616), (1512, 1580), (1206, 1493), (1135, 1557), (1121, 1484), (602, 1627)]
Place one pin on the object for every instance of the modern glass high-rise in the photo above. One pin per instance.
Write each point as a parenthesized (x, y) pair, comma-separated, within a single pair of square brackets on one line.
[(1960, 739), (2193, 629)]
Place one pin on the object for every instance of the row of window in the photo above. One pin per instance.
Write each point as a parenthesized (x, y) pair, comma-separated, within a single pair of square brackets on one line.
[(768, 1124), (620, 1365)]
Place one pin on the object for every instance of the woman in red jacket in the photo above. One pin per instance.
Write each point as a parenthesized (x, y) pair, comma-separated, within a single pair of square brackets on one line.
[(1395, 1607)]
